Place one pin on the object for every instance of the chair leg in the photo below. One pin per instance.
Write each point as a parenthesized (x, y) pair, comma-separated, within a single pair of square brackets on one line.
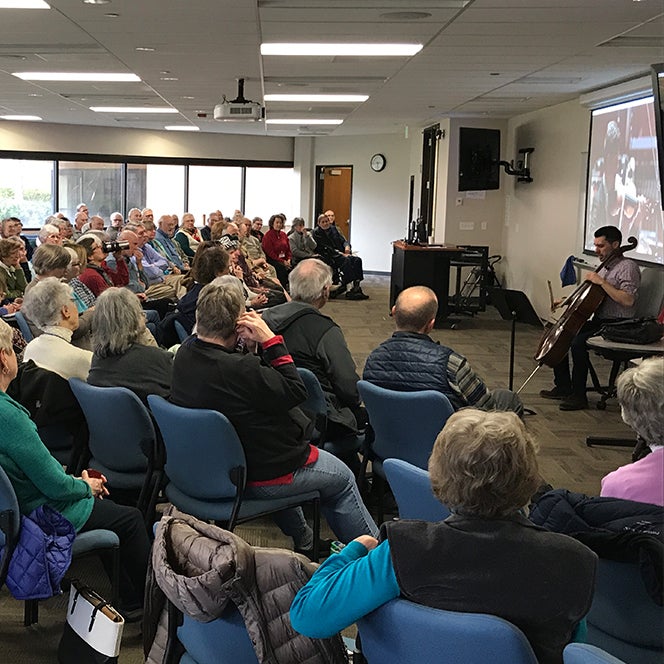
[(30, 612), (316, 530)]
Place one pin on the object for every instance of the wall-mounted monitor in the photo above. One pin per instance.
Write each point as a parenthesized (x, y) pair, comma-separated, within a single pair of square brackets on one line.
[(623, 185), (479, 154)]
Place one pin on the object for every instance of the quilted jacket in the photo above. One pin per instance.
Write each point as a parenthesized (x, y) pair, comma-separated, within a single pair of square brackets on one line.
[(42, 555), (200, 568)]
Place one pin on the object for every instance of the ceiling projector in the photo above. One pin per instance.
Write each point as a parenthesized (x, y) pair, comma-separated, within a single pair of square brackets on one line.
[(239, 109)]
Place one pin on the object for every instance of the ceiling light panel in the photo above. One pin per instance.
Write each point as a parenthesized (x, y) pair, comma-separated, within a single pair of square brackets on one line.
[(304, 121), (181, 128), (76, 76), (316, 98), (133, 109), (23, 4), (339, 50), (24, 118)]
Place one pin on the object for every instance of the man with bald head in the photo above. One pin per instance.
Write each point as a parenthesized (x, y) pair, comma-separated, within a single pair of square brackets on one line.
[(410, 360)]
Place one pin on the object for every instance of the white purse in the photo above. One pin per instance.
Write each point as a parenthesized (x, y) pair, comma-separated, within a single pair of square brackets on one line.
[(93, 631)]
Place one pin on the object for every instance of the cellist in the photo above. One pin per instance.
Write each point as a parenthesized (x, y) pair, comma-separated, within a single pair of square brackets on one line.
[(620, 279)]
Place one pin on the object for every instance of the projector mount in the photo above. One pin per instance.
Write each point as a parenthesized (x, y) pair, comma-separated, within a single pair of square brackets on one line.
[(522, 170)]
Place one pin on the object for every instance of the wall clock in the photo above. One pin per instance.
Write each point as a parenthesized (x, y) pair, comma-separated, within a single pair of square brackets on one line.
[(378, 162)]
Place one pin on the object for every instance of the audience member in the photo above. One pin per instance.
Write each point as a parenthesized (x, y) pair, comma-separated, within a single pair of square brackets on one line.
[(98, 275), (134, 216), (65, 226), (163, 242), (120, 359), (641, 397), (301, 241), (257, 228), (50, 305), (277, 248), (253, 252), (49, 234), (485, 558), (260, 395), (188, 236), (410, 360), (83, 296), (12, 251), (38, 479), (335, 250), (117, 222), (212, 219), (317, 343)]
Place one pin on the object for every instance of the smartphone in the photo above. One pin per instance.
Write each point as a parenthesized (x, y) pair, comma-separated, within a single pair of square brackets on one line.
[(94, 473)]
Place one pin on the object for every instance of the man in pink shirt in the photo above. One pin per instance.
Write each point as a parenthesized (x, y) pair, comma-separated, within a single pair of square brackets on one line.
[(641, 396)]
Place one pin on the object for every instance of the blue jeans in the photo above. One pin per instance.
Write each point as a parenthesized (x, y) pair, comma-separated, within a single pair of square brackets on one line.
[(340, 501)]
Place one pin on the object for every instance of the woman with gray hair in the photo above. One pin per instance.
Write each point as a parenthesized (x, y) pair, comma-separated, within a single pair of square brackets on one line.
[(49, 234), (38, 479), (121, 359), (641, 397), (50, 305), (12, 252), (486, 557)]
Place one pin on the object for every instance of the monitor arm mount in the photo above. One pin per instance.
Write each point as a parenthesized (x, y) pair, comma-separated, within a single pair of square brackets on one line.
[(522, 170)]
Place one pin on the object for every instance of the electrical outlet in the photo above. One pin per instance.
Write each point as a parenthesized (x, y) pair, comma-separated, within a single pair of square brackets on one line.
[(483, 225), (466, 226)]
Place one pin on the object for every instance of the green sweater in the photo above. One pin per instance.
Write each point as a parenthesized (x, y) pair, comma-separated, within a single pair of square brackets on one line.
[(15, 282), (36, 476)]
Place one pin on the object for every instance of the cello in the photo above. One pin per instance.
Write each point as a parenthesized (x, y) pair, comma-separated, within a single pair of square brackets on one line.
[(580, 306)]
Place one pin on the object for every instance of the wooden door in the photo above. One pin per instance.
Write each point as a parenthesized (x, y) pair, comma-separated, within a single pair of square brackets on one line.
[(333, 192)]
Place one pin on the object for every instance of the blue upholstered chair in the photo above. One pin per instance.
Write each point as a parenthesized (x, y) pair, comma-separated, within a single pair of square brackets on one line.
[(206, 469), (405, 426), (23, 326), (345, 448), (623, 619), (401, 632), (582, 653), (101, 542), (411, 487), (123, 442)]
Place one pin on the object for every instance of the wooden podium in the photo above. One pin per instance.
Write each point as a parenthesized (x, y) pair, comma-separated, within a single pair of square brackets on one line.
[(423, 265)]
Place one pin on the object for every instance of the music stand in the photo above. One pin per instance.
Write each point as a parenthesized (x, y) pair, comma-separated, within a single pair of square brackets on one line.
[(514, 305)]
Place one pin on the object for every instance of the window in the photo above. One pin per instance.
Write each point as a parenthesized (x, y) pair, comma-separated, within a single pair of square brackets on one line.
[(26, 190), (157, 186), (214, 188), (272, 190), (99, 185)]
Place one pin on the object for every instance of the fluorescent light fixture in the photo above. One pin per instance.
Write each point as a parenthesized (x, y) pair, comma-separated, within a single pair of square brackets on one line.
[(303, 121), (368, 50), (76, 76), (181, 128), (23, 4), (133, 109), (317, 98), (26, 118)]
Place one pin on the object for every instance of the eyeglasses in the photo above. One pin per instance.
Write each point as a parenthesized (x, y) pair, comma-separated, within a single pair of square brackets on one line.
[(74, 265)]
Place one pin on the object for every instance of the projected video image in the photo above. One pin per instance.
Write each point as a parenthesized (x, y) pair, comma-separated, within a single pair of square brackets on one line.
[(623, 178)]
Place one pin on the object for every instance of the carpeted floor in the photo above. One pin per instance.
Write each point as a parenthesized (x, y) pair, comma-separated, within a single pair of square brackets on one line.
[(484, 340)]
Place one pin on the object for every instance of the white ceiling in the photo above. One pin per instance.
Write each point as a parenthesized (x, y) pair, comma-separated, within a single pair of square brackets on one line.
[(494, 58)]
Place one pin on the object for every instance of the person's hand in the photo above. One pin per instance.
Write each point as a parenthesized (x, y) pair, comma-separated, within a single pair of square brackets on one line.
[(176, 270), (237, 271), (96, 484), (18, 301), (138, 254), (251, 327), (142, 296), (594, 278), (258, 300), (12, 307), (367, 541)]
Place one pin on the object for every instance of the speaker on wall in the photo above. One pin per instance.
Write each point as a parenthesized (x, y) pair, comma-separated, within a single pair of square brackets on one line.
[(479, 154)]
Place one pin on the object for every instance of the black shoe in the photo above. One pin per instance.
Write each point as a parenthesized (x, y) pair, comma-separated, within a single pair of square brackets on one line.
[(555, 393), (356, 295), (574, 402), (340, 290), (323, 549)]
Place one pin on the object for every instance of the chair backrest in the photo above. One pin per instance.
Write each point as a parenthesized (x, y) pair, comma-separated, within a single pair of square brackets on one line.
[(120, 426), (623, 619), (202, 449), (405, 423), (401, 632), (315, 406), (582, 653), (10, 523), (179, 330), (651, 293), (23, 326), (411, 487)]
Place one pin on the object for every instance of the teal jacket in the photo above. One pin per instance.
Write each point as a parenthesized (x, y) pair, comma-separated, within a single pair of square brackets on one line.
[(37, 477)]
